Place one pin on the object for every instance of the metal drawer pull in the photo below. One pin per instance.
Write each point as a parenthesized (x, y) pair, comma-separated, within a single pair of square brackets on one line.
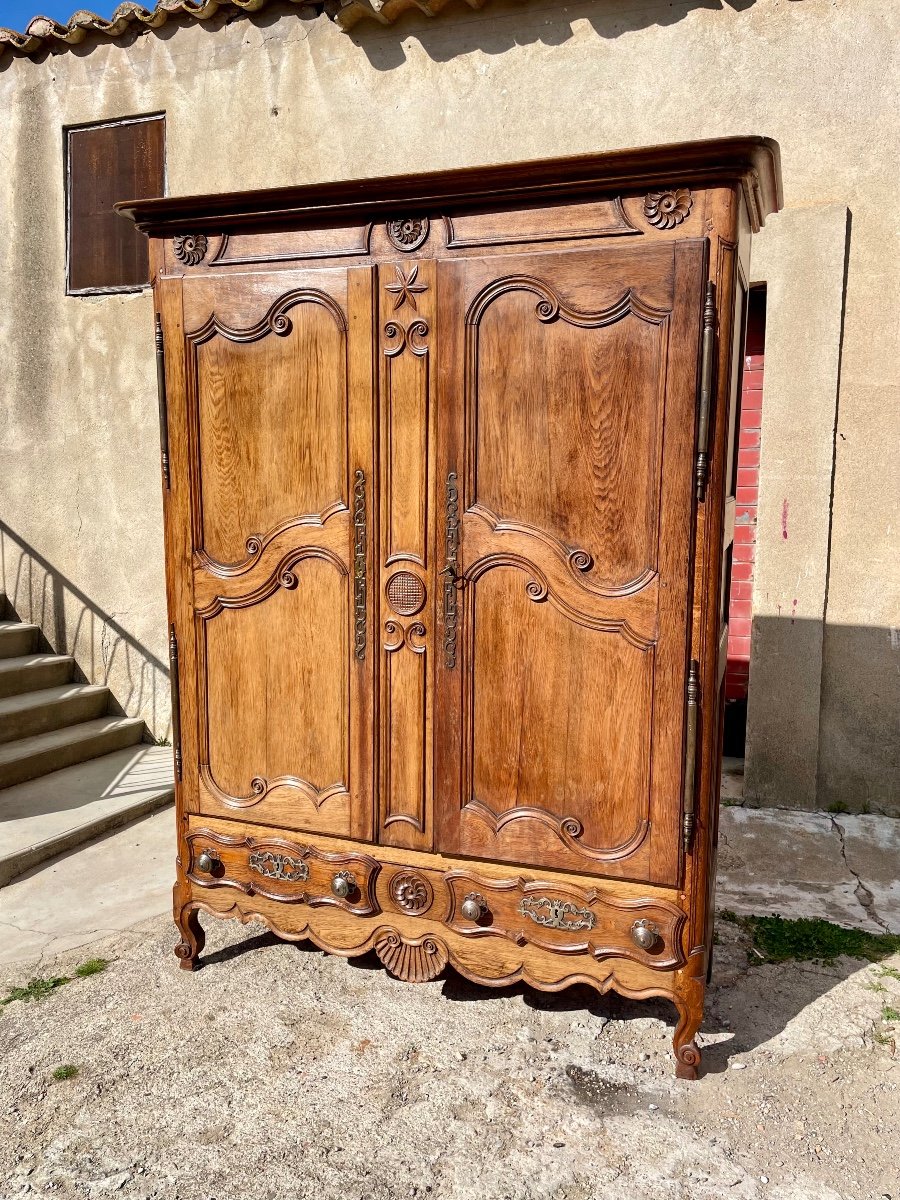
[(556, 914), (474, 907), (343, 884), (208, 862), (645, 934)]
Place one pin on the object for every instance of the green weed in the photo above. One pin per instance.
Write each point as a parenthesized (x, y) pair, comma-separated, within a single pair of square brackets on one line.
[(93, 966), (777, 939), (65, 1072), (35, 989)]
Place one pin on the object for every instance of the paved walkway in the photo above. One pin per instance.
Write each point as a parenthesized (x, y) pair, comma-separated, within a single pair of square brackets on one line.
[(842, 868)]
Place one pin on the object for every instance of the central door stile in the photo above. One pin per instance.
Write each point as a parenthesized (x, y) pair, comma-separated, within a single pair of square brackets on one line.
[(404, 634), (362, 386)]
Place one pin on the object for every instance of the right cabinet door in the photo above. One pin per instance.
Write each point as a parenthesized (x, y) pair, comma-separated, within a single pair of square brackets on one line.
[(567, 410)]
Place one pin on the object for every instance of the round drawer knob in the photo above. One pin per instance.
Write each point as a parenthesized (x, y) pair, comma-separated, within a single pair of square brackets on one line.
[(474, 906), (343, 884), (645, 934), (208, 862)]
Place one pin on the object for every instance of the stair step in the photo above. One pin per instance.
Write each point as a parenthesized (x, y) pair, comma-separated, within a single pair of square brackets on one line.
[(53, 815), (31, 757), (30, 672), (29, 713), (16, 638)]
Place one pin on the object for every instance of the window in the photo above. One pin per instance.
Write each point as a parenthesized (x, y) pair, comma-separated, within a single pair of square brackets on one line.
[(118, 160)]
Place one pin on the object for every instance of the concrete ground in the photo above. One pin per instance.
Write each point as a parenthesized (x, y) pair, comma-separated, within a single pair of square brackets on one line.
[(278, 1071)]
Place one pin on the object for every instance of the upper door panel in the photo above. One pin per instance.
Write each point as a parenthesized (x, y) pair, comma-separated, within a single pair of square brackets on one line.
[(270, 405), (566, 439)]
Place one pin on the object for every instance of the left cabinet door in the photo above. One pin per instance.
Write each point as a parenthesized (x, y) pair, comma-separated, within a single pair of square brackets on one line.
[(269, 544)]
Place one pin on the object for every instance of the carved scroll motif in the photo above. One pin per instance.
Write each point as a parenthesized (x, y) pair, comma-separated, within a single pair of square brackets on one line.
[(412, 335)]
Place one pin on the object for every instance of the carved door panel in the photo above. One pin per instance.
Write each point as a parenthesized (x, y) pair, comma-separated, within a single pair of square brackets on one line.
[(567, 400), (279, 413)]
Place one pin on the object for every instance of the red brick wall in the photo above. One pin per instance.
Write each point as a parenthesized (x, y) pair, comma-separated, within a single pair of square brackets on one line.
[(746, 494)]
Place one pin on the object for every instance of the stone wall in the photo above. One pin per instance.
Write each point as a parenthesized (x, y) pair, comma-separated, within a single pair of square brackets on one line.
[(285, 97)]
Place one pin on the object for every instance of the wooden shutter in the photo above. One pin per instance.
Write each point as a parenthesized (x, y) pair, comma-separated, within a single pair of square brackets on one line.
[(105, 164)]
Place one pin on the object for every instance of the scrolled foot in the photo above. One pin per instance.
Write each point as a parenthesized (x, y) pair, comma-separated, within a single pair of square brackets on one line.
[(192, 941), (687, 1060)]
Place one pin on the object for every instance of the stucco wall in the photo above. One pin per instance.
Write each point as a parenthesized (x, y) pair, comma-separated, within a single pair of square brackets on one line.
[(287, 98)]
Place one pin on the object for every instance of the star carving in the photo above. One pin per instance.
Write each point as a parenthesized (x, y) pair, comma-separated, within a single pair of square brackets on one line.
[(406, 288)]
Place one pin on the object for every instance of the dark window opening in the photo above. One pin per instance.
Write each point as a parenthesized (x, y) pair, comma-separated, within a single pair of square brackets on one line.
[(118, 160), (743, 551)]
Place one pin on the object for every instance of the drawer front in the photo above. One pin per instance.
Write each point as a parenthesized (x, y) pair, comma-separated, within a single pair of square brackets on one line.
[(565, 918), (285, 870)]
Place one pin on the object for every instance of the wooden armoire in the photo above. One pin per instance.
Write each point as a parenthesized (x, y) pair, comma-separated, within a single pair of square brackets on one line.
[(448, 477)]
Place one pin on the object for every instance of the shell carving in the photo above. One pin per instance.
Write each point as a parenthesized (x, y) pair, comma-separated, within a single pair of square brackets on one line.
[(667, 209), (413, 962), (190, 248)]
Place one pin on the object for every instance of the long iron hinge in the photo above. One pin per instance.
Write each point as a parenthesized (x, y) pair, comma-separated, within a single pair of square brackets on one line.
[(163, 407), (450, 572), (359, 564), (707, 386), (690, 754), (176, 699)]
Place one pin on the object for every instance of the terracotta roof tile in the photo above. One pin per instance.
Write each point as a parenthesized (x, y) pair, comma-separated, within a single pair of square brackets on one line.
[(43, 33)]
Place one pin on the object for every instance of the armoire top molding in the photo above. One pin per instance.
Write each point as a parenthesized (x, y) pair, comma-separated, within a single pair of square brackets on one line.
[(752, 162)]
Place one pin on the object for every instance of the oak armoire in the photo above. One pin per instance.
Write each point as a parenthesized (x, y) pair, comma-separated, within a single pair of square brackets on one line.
[(448, 473)]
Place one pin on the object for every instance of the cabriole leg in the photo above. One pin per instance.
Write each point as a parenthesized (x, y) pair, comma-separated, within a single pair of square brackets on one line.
[(193, 938), (689, 998), (687, 1052)]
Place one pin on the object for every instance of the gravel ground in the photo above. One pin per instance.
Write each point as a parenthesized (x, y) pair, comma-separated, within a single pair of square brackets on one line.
[(279, 1072)]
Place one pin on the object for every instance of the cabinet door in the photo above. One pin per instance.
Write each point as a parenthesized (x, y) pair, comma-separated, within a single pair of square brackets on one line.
[(566, 437), (278, 400)]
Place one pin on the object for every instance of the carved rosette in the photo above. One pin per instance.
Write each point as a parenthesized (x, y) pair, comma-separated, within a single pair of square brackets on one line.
[(665, 210), (415, 961), (190, 248), (408, 233), (411, 892)]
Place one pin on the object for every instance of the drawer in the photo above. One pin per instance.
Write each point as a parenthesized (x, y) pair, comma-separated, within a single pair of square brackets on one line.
[(565, 918), (282, 869)]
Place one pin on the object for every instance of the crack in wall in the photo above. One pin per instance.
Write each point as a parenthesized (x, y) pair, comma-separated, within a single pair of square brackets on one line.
[(863, 896)]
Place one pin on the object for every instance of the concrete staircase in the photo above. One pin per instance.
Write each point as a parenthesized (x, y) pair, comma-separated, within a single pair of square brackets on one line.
[(70, 769)]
